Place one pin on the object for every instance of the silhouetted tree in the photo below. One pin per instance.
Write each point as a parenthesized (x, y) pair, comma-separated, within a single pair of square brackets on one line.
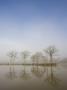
[(12, 55), (25, 55), (51, 50), (36, 57)]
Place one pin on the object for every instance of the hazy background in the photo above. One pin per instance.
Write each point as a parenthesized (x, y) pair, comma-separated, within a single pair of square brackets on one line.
[(32, 25)]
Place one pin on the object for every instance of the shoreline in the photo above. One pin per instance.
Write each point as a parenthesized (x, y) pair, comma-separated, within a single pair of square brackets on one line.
[(46, 64)]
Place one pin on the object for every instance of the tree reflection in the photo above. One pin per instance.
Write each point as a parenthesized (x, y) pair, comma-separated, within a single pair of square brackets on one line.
[(11, 74), (52, 78), (38, 71), (24, 74)]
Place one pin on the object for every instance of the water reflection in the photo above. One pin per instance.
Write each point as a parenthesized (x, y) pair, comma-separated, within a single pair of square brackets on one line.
[(35, 73), (51, 78), (25, 75), (38, 71), (11, 73)]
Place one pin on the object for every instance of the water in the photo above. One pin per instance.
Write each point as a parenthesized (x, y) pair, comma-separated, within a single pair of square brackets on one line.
[(24, 77)]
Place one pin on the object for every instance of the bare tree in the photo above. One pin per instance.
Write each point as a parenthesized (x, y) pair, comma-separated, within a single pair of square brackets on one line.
[(36, 57), (25, 55), (33, 58), (51, 51), (12, 55)]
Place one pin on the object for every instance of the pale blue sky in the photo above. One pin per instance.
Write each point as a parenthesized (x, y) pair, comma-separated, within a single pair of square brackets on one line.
[(33, 25)]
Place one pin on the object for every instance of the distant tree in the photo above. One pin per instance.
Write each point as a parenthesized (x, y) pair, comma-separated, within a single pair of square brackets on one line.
[(36, 57), (51, 50), (25, 55), (12, 55), (33, 58)]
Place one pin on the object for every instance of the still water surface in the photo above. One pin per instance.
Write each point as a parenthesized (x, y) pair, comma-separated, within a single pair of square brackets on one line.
[(33, 78)]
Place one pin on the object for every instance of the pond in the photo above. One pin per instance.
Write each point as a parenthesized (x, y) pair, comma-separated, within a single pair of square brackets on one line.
[(23, 77)]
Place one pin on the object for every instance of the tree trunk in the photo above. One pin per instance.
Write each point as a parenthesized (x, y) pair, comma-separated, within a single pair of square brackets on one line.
[(51, 60)]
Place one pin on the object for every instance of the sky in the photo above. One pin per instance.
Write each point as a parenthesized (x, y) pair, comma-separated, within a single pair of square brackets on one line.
[(33, 25)]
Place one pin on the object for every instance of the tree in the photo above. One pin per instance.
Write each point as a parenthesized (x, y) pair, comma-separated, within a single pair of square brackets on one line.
[(51, 50), (36, 57), (25, 54), (33, 58), (12, 55)]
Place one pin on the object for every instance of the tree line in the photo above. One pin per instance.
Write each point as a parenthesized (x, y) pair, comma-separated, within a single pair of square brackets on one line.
[(50, 51)]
